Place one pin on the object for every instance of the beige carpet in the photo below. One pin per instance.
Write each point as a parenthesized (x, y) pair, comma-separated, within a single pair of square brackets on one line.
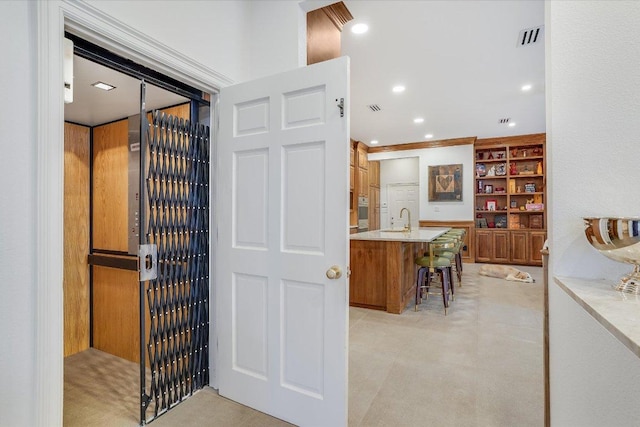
[(481, 365)]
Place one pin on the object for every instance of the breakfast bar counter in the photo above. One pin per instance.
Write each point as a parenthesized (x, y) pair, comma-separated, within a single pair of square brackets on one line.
[(383, 269)]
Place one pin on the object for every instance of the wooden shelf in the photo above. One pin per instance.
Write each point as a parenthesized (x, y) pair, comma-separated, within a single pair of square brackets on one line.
[(517, 159), (524, 193), (491, 160), (526, 175), (491, 177), (520, 241)]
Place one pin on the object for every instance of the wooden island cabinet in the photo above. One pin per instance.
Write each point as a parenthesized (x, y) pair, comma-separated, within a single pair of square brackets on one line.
[(383, 271)]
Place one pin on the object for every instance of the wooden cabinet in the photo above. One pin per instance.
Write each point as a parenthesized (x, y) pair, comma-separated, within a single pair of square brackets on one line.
[(519, 247), (501, 246), (374, 174), (383, 274), (374, 208), (510, 187), (536, 243), (374, 195), (492, 246), (484, 246), (352, 177), (363, 161), (353, 193), (363, 182)]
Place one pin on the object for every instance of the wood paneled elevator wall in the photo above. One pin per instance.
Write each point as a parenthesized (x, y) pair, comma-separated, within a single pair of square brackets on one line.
[(115, 308)]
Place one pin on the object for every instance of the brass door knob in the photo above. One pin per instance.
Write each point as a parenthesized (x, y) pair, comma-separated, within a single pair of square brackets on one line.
[(334, 272)]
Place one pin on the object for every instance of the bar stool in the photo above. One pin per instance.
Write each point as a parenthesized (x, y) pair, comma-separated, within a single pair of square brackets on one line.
[(434, 264), (458, 236), (450, 252)]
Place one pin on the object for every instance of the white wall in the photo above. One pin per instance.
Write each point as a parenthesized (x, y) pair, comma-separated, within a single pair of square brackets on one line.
[(274, 46), (216, 33), (222, 44), (17, 214), (595, 379), (438, 211), (593, 129)]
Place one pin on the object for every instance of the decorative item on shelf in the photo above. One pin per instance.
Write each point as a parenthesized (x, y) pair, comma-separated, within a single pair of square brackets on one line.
[(535, 221), (530, 187), (488, 189), (534, 206), (526, 171), (524, 153), (514, 152), (491, 204), (617, 238), (492, 224), (539, 168), (512, 186), (499, 190), (492, 171), (480, 155), (514, 204), (514, 221), (501, 221), (490, 156), (501, 169), (537, 151), (480, 186), (537, 198), (481, 170), (501, 155), (522, 207), (513, 169), (519, 189), (482, 223)]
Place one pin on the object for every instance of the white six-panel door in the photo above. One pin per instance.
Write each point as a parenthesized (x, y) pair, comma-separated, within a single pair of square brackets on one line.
[(403, 196), (282, 203)]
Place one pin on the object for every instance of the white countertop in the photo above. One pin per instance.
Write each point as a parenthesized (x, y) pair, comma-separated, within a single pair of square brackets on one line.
[(618, 312), (422, 234)]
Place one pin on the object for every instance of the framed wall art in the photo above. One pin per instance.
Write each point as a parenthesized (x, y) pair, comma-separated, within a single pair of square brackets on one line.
[(445, 183)]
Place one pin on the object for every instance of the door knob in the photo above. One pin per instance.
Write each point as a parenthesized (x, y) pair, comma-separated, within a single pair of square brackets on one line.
[(334, 272)]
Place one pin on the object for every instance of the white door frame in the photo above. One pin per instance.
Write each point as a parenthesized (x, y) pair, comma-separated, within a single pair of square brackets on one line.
[(99, 28)]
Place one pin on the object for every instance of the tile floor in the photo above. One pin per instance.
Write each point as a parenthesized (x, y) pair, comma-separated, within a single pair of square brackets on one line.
[(481, 365)]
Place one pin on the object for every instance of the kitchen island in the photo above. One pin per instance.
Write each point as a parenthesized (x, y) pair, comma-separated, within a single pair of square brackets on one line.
[(383, 271)]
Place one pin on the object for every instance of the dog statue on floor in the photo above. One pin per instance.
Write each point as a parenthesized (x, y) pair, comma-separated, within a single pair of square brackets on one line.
[(505, 272)]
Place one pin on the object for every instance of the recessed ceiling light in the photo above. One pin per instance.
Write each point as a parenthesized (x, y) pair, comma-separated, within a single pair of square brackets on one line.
[(398, 89), (526, 88), (359, 28), (429, 136), (103, 86), (418, 120), (512, 124), (374, 141)]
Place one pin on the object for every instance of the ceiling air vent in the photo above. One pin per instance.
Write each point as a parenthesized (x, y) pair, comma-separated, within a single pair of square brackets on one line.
[(504, 121), (374, 107), (530, 36)]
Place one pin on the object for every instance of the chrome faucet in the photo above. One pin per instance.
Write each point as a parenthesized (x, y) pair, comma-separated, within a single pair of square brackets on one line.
[(408, 226)]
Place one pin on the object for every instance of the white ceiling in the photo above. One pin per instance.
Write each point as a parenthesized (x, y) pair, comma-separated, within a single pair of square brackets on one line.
[(92, 106), (459, 62)]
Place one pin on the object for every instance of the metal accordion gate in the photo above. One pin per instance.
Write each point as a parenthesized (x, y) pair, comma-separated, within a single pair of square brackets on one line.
[(174, 241)]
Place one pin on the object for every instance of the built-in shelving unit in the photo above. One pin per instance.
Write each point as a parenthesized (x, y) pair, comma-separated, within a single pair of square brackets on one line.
[(510, 199)]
